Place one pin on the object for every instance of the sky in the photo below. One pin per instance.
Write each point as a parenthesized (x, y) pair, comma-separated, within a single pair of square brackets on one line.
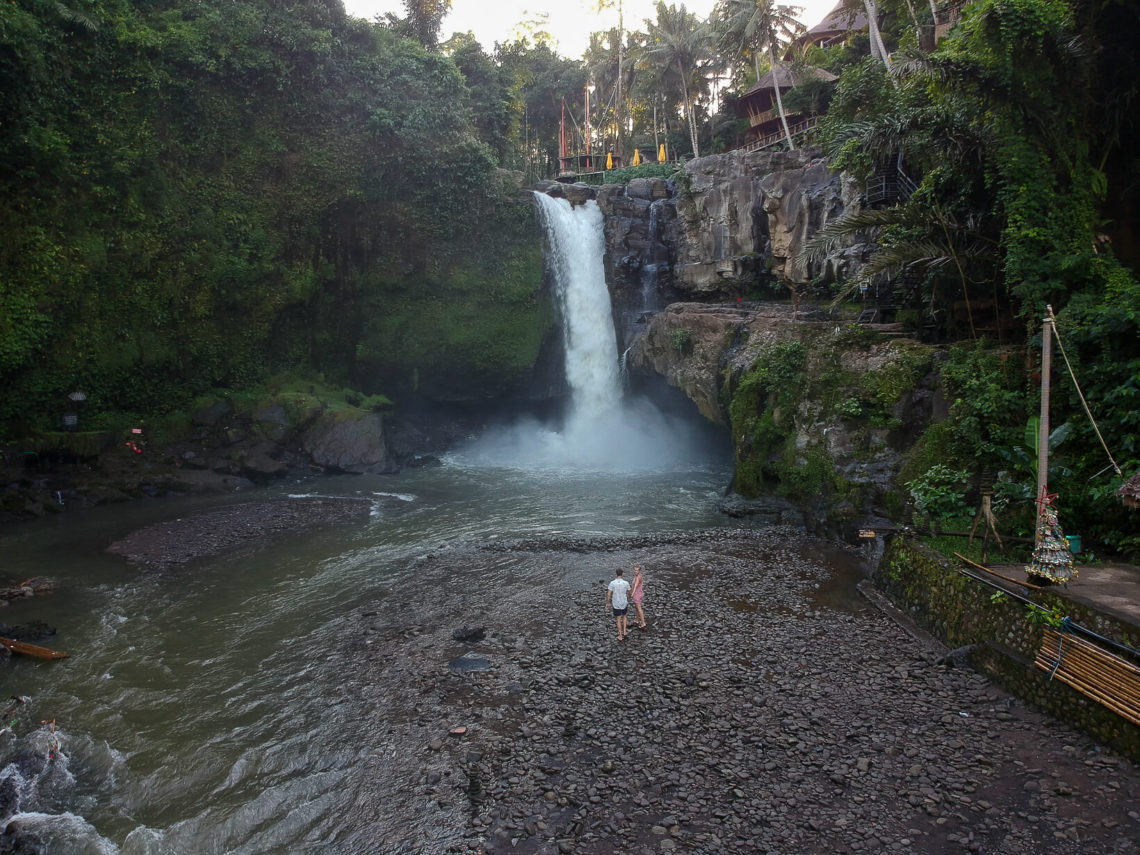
[(569, 21)]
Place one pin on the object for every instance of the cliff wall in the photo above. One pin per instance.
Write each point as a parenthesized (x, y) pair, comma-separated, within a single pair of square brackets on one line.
[(745, 215), (821, 410)]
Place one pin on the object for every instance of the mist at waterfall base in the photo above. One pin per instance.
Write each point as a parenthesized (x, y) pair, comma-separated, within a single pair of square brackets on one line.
[(602, 429), (634, 437)]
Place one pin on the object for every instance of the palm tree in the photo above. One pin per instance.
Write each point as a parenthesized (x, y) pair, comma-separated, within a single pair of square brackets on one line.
[(614, 79), (878, 48), (937, 246), (751, 26), (679, 43)]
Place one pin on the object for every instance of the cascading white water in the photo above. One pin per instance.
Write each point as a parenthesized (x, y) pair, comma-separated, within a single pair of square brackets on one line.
[(602, 430), (577, 245)]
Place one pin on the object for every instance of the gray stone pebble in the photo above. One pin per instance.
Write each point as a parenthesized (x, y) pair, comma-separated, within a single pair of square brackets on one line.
[(761, 712)]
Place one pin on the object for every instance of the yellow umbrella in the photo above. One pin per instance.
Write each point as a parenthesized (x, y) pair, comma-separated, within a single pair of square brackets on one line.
[(661, 154), (609, 160), (637, 157)]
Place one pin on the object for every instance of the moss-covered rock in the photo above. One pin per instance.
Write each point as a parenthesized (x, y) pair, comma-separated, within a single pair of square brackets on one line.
[(469, 327)]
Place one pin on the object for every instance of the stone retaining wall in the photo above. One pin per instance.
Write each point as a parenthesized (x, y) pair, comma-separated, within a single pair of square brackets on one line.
[(961, 611)]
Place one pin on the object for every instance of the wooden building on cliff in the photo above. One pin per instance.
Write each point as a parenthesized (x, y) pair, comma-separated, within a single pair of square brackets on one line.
[(759, 105), (835, 29)]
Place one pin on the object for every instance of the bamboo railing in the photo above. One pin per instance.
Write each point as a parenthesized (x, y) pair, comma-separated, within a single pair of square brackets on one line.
[(1106, 678)]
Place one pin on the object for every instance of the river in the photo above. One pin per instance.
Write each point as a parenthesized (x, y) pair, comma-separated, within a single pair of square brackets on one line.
[(223, 706), (194, 711)]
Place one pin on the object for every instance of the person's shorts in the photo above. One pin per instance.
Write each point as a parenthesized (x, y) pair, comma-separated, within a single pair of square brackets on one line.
[(620, 612)]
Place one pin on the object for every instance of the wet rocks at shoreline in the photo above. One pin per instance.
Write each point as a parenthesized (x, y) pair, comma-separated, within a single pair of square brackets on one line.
[(180, 541), (752, 716)]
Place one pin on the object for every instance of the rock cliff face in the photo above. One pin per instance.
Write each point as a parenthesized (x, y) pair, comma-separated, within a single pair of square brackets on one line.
[(731, 229), (693, 345), (820, 410), (745, 215)]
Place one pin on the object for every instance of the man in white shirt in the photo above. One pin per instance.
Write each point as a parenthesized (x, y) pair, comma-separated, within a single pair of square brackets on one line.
[(617, 597)]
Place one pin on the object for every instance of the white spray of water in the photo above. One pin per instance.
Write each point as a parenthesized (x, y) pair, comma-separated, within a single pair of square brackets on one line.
[(601, 431), (577, 246)]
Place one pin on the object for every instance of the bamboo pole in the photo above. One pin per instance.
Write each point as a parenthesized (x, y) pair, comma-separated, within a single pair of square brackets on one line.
[(1123, 710), (1090, 647), (894, 528), (1043, 427), (1090, 686), (1097, 661), (1104, 677), (999, 575), (1126, 677), (1122, 692)]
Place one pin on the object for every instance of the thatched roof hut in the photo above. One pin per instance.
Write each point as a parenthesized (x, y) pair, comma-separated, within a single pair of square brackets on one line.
[(1130, 492)]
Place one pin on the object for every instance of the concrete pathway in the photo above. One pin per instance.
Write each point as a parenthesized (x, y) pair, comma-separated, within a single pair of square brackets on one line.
[(1111, 587)]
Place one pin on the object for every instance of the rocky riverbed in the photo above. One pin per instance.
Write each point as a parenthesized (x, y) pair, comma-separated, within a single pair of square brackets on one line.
[(179, 541), (768, 708)]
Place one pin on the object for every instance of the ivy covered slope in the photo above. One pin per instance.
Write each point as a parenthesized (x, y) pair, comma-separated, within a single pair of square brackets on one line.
[(825, 416), (1019, 131), (196, 195)]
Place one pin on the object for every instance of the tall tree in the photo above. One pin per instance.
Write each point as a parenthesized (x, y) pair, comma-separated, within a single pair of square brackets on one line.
[(752, 26), (425, 17), (619, 97), (679, 45)]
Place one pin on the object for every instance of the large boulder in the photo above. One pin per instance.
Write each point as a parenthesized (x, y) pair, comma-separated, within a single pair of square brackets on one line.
[(579, 194), (349, 441)]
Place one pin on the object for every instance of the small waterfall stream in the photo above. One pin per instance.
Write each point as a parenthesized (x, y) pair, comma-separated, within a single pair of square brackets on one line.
[(651, 270)]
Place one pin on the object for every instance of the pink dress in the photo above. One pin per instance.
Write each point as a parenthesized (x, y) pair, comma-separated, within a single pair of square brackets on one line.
[(639, 594)]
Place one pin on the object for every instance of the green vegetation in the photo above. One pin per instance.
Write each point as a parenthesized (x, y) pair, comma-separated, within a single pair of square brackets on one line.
[(198, 196), (782, 408), (682, 340), (1016, 133), (763, 407), (940, 493)]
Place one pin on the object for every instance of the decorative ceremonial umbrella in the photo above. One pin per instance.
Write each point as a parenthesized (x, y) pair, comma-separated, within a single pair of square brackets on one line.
[(609, 160), (637, 157), (661, 154)]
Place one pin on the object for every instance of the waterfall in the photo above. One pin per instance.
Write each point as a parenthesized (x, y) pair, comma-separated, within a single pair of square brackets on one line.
[(602, 430), (577, 246), (650, 271)]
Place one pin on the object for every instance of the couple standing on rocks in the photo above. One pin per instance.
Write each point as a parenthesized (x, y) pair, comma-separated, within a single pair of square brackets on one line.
[(619, 593)]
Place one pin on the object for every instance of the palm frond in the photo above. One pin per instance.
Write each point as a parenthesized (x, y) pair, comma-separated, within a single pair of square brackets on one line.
[(73, 16), (838, 233)]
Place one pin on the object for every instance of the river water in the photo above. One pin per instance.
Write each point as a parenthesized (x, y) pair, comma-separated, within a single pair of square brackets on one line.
[(213, 708), (194, 712)]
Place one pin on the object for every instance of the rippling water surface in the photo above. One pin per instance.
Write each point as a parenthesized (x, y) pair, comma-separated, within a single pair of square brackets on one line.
[(198, 711)]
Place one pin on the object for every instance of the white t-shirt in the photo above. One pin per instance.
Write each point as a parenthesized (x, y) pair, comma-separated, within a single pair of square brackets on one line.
[(619, 588)]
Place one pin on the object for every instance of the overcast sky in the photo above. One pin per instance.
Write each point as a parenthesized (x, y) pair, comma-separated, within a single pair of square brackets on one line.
[(569, 21)]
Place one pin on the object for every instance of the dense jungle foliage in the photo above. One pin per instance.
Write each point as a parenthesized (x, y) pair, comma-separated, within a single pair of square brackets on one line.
[(196, 195), (1018, 131), (200, 195), (1017, 138)]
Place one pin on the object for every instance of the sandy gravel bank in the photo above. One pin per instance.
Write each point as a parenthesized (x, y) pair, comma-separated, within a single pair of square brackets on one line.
[(179, 541), (766, 709)]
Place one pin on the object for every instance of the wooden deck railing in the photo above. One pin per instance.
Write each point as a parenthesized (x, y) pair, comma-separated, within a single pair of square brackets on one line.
[(797, 129)]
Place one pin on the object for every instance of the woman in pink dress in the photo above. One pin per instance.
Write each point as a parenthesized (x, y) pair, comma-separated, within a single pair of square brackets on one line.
[(637, 594)]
